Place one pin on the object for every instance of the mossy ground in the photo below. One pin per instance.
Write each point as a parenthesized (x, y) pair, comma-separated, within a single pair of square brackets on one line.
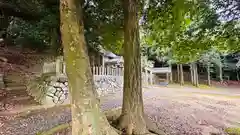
[(56, 129), (233, 131)]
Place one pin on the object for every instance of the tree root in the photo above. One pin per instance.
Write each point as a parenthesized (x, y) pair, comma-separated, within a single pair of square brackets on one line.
[(114, 114)]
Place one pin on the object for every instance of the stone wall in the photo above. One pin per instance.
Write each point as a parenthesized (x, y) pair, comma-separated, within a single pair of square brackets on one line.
[(56, 90), (108, 84), (48, 89), (51, 89)]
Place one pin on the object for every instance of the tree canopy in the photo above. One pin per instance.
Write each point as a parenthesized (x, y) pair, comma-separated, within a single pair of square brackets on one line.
[(181, 31)]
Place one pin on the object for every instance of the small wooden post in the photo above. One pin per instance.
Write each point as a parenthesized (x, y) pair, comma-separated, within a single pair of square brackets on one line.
[(103, 64), (97, 69), (108, 70)]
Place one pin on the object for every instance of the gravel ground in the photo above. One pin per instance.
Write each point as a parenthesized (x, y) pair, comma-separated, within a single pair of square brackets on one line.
[(178, 111), (36, 122)]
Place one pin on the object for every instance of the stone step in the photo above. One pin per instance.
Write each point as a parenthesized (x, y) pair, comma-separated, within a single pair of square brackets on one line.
[(17, 91), (12, 81), (16, 88), (12, 84), (17, 94), (19, 98), (13, 78)]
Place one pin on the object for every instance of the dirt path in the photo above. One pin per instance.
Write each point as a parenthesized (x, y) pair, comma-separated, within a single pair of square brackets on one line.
[(180, 111), (189, 111)]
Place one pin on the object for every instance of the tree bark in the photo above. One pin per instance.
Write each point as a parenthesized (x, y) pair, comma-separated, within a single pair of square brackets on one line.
[(178, 73), (132, 118), (192, 74), (220, 72), (195, 75), (171, 77), (208, 74), (237, 74), (181, 75), (197, 80), (87, 118)]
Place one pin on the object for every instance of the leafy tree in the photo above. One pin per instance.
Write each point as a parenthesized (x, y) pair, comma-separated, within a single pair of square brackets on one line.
[(182, 36), (210, 57), (132, 117)]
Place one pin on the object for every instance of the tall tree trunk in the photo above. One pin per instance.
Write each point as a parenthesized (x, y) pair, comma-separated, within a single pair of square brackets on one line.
[(220, 72), (178, 73), (208, 74), (87, 118), (171, 77), (191, 74), (237, 74), (132, 118), (194, 74), (196, 83), (197, 78), (181, 75)]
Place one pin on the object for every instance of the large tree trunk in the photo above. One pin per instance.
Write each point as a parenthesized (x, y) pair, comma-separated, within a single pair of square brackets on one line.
[(87, 118), (132, 117)]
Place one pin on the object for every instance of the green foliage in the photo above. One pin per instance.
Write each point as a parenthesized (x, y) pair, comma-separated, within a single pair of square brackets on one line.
[(104, 24), (228, 36), (145, 62), (178, 30), (36, 35), (181, 31)]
